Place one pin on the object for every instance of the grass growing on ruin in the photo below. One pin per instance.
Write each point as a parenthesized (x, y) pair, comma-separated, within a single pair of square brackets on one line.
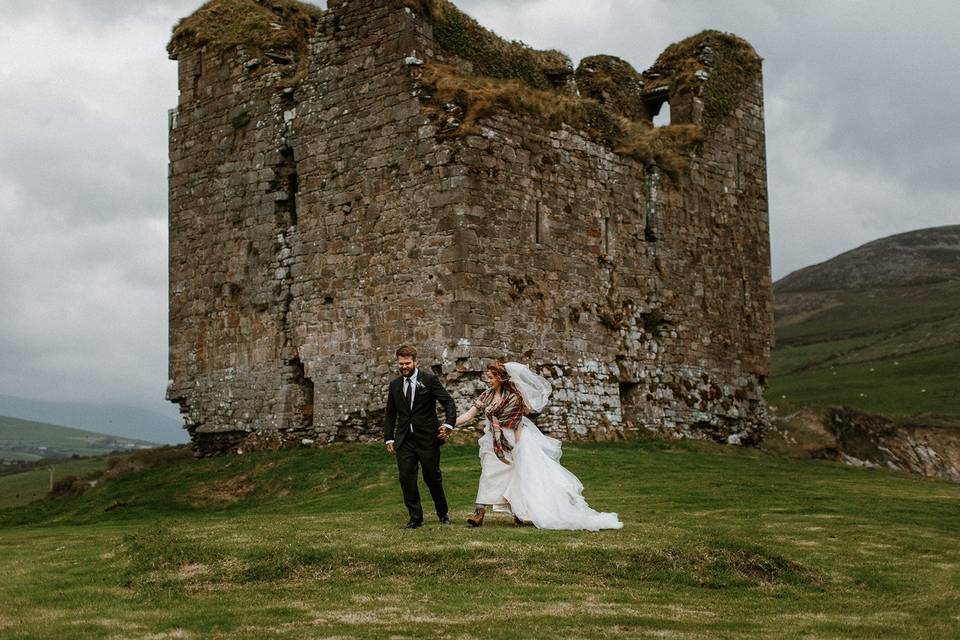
[(735, 65), (719, 542), (516, 78), (263, 27), (480, 97), (457, 34), (260, 25)]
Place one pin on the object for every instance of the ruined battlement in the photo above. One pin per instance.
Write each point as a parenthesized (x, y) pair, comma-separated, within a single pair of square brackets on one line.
[(384, 172)]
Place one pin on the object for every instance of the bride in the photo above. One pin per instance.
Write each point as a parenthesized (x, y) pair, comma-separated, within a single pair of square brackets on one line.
[(520, 468)]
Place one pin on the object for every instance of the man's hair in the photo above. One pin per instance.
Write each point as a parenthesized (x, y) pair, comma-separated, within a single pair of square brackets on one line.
[(407, 351)]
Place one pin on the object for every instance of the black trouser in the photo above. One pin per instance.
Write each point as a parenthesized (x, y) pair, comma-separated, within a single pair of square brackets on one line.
[(409, 455)]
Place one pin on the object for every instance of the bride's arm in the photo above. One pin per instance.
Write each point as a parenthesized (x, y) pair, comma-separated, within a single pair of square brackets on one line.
[(468, 416)]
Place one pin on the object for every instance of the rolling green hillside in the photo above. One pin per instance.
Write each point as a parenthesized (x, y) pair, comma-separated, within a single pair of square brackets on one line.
[(26, 440), (23, 487), (719, 542), (877, 328)]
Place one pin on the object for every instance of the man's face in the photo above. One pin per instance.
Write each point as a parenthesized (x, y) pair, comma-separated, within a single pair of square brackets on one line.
[(406, 365)]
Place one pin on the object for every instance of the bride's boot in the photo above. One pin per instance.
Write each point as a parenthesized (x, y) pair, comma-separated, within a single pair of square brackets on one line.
[(477, 518)]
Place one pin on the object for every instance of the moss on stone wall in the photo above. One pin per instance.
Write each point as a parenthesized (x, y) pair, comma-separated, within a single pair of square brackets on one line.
[(457, 34), (476, 97), (613, 83), (610, 106), (283, 26), (717, 66)]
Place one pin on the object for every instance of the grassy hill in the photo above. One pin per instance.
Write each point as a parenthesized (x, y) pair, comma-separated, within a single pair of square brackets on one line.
[(134, 423), (27, 440), (719, 542), (27, 485), (877, 328)]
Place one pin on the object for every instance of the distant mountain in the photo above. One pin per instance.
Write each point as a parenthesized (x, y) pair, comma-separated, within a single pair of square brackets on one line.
[(918, 257), (28, 440), (117, 420), (876, 328)]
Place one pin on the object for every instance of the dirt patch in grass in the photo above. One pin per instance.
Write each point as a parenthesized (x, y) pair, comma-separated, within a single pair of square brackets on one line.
[(187, 571), (164, 635), (221, 492), (118, 465)]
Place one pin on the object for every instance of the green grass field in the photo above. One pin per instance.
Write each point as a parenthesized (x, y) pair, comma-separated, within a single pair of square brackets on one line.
[(894, 352), (719, 542), (22, 488)]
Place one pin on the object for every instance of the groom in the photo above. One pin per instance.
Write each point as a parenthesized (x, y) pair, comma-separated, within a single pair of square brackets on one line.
[(413, 433)]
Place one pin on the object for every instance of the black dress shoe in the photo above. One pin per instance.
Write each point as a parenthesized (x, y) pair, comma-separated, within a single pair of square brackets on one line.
[(414, 524), (444, 520)]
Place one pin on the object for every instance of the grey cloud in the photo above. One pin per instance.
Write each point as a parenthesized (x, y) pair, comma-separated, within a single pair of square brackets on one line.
[(83, 201), (93, 15)]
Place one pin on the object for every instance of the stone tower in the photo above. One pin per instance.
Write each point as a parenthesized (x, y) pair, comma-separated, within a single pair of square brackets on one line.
[(343, 181)]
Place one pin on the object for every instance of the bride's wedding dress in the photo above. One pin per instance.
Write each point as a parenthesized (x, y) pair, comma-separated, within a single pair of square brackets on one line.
[(534, 486)]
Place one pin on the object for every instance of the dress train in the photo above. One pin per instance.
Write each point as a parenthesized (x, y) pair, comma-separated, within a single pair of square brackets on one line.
[(536, 487)]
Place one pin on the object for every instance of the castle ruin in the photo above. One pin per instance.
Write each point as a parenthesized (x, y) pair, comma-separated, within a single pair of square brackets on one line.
[(381, 172)]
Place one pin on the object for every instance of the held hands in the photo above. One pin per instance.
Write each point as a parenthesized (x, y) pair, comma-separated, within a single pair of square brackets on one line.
[(443, 432)]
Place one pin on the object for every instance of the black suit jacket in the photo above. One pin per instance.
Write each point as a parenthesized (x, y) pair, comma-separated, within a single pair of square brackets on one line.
[(399, 417)]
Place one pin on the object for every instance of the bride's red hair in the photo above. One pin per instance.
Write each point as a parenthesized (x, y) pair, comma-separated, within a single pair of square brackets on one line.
[(499, 371)]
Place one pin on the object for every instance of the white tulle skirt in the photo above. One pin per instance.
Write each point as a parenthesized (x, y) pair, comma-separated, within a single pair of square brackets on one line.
[(536, 487)]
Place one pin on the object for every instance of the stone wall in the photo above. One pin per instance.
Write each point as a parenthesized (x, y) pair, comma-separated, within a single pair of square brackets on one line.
[(317, 224)]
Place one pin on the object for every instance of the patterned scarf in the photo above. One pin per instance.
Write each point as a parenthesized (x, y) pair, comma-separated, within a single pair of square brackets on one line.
[(501, 446)]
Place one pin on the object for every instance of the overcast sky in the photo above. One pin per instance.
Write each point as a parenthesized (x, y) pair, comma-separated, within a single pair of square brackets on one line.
[(862, 141)]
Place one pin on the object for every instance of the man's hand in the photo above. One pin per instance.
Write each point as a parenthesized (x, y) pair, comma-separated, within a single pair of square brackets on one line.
[(390, 449), (443, 432)]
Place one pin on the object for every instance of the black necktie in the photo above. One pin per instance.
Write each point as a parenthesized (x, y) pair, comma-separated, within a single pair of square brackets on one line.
[(409, 393)]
